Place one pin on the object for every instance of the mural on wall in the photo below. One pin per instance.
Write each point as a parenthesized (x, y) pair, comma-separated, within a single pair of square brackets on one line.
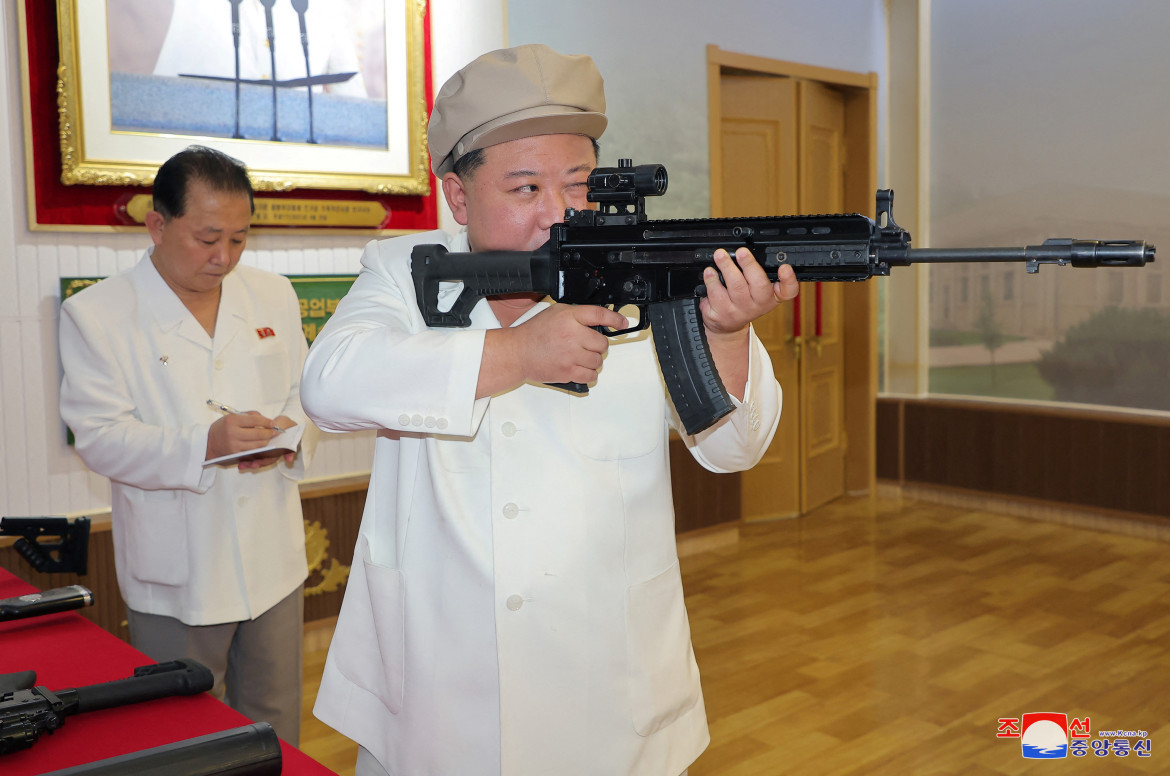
[(336, 111), (1011, 166), (218, 79)]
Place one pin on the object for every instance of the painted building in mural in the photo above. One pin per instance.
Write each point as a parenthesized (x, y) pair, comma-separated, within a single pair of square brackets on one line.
[(1044, 305)]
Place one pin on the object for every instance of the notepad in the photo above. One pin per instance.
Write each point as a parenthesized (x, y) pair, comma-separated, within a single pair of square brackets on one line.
[(285, 440)]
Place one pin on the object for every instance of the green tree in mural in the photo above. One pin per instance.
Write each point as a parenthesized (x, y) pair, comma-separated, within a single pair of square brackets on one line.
[(990, 334), (1118, 357)]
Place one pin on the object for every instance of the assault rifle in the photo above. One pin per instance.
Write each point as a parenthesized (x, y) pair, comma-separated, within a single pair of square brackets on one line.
[(615, 256), (26, 713)]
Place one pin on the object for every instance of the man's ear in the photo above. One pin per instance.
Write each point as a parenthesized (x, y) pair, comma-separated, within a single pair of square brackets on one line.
[(154, 224), (455, 191)]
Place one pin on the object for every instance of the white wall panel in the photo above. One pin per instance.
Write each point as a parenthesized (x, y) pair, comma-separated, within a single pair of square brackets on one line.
[(26, 281), (12, 421), (87, 256), (68, 260)]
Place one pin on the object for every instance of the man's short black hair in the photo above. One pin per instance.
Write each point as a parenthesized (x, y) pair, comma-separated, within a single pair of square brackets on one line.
[(466, 165), (215, 169)]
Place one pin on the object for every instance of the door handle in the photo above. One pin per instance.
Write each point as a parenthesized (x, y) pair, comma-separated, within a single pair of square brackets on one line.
[(797, 344)]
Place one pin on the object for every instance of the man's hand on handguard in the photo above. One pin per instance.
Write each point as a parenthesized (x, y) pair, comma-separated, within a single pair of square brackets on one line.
[(558, 345), (745, 293)]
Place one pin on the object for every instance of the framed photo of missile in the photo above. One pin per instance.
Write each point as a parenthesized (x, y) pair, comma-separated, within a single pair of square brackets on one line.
[(312, 95)]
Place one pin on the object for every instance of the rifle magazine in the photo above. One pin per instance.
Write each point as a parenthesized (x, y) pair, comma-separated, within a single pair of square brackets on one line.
[(685, 358)]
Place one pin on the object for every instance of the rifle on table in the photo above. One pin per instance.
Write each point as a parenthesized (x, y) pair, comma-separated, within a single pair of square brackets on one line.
[(59, 599), (615, 256), (25, 714), (249, 750)]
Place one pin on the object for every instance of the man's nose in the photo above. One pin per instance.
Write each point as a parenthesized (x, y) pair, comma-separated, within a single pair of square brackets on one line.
[(552, 209)]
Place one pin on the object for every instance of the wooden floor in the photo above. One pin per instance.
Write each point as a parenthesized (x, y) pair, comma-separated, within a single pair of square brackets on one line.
[(879, 637)]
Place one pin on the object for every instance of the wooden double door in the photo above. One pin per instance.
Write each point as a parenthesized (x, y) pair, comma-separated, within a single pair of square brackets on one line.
[(784, 151)]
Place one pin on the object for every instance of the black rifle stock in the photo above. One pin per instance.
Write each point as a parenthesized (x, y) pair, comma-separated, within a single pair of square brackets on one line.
[(615, 256), (70, 554), (25, 714)]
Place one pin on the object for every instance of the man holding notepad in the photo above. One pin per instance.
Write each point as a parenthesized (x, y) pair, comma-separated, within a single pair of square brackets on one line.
[(208, 535)]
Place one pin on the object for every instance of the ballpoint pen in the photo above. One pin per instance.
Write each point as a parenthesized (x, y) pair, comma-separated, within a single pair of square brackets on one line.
[(227, 409)]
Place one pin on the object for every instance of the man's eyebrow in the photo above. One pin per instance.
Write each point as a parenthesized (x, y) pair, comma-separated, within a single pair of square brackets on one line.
[(219, 230), (534, 173)]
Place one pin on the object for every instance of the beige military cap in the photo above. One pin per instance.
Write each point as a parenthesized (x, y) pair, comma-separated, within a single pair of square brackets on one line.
[(511, 94)]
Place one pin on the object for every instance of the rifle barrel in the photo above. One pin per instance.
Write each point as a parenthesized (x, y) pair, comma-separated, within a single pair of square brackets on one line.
[(1079, 253)]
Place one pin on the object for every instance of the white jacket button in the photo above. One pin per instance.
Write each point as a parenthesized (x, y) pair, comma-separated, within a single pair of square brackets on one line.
[(514, 602), (511, 510)]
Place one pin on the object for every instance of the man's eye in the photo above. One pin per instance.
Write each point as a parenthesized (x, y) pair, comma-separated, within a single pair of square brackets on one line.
[(208, 242)]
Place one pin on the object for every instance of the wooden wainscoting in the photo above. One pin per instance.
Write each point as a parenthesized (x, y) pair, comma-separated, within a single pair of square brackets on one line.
[(336, 509), (1080, 458)]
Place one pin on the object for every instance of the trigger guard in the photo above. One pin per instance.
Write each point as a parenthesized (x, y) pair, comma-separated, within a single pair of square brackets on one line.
[(618, 332), (643, 322)]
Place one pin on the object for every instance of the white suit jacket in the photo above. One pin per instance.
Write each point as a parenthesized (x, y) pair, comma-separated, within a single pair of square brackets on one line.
[(202, 544), (515, 605)]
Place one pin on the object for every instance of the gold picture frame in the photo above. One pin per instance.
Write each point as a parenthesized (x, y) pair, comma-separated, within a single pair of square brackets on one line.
[(95, 151)]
